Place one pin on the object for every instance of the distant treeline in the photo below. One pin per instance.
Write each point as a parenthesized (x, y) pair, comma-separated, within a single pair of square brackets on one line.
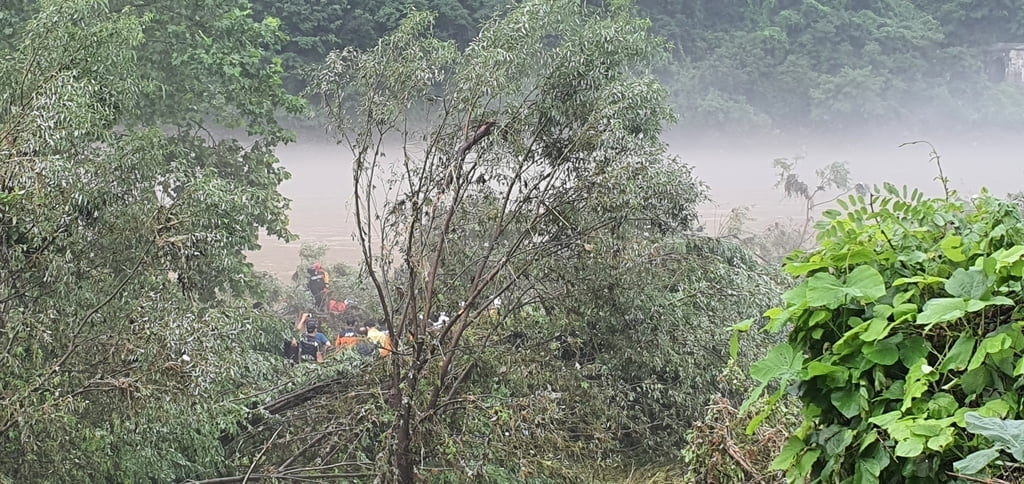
[(762, 65)]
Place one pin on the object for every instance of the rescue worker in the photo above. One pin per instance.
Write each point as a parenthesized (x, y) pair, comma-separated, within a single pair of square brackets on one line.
[(319, 285), (380, 338), (313, 344)]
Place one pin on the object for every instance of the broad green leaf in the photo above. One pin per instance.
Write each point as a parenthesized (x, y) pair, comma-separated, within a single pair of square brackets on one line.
[(866, 284), (781, 361), (912, 348), (997, 408), (940, 310), (975, 462), (881, 352), (804, 465), (839, 442), (777, 318), (913, 257), (794, 446), (818, 317), (929, 427), (817, 368), (976, 380), (797, 269), (918, 378), (1015, 334), (902, 311), (992, 344), (895, 391), (951, 248), (886, 419), (942, 405), (877, 329), (868, 438), (959, 355), (941, 441), (1009, 256), (901, 298), (901, 430), (743, 326), (859, 255), (796, 296), (987, 264), (911, 447), (881, 311), (824, 289), (848, 402), (1019, 369), (969, 284), (870, 465), (851, 341), (977, 305)]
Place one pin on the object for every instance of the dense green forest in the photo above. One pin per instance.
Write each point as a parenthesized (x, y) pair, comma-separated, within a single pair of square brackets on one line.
[(739, 66), (545, 302)]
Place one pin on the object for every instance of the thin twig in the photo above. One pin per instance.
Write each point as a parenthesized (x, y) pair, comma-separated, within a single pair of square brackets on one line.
[(260, 455), (976, 479)]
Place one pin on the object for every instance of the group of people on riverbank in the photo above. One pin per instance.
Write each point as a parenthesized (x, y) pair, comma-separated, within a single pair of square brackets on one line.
[(312, 343)]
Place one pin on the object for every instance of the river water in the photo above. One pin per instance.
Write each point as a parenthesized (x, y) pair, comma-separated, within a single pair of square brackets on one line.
[(739, 172)]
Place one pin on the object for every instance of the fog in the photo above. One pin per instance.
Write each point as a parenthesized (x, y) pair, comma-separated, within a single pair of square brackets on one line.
[(738, 172)]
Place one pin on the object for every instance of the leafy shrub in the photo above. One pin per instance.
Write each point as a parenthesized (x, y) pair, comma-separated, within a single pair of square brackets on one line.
[(905, 322)]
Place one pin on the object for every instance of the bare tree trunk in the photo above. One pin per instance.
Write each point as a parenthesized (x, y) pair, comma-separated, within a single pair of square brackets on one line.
[(405, 461)]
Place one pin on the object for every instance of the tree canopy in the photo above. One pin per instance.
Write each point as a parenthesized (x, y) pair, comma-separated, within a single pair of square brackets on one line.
[(122, 226), (551, 307), (738, 66)]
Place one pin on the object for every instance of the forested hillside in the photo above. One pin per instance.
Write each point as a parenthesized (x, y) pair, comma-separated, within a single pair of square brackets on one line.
[(739, 65), (537, 298)]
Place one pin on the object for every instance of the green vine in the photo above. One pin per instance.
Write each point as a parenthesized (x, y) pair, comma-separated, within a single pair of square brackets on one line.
[(903, 325)]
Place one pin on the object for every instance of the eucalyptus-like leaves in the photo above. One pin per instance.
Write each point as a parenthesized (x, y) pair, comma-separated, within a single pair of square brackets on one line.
[(537, 141), (122, 226)]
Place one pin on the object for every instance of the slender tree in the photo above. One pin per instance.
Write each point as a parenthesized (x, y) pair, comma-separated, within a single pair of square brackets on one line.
[(538, 142)]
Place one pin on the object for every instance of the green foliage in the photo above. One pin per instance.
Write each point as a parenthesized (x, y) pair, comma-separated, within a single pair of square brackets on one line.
[(831, 63), (904, 333), (605, 375), (315, 28), (1006, 435), (123, 285), (565, 206), (652, 319), (739, 65)]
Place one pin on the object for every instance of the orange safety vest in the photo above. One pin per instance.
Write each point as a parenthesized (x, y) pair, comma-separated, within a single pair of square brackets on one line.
[(345, 341)]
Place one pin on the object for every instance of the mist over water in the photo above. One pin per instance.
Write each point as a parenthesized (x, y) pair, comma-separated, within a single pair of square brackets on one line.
[(738, 171)]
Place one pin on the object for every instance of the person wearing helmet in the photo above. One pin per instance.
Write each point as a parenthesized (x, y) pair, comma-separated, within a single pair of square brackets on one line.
[(313, 344), (319, 284)]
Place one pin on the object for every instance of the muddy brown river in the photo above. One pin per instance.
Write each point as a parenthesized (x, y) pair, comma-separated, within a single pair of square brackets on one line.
[(739, 172)]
